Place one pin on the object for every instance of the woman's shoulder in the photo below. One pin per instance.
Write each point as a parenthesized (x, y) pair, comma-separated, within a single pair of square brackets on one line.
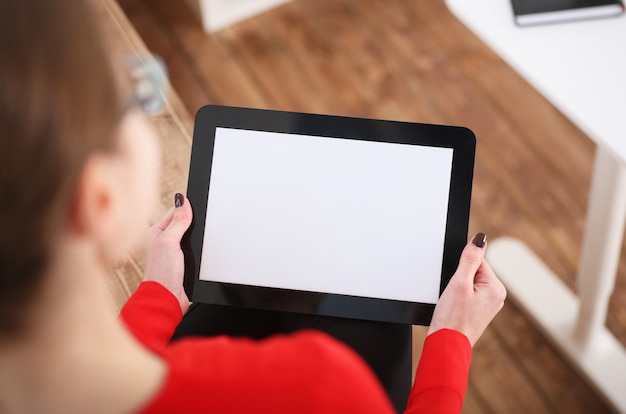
[(304, 372)]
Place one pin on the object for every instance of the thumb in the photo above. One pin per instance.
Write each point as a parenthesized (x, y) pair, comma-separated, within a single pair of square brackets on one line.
[(472, 256), (181, 217)]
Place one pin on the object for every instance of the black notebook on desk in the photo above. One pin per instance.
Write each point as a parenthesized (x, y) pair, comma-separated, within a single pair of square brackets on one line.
[(534, 12)]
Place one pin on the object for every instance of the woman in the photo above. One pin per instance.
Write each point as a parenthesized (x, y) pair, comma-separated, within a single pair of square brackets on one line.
[(79, 173)]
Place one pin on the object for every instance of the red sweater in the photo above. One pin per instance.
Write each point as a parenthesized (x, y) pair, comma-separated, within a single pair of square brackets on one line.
[(307, 372)]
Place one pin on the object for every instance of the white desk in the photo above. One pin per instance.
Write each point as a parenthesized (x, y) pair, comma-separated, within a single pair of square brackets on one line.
[(581, 68)]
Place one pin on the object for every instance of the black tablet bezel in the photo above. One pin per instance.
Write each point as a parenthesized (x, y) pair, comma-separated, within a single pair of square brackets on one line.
[(210, 117)]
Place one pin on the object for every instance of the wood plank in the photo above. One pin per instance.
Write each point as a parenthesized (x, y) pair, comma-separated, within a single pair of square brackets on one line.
[(219, 72), (500, 381), (304, 44), (369, 68), (471, 404), (474, 401)]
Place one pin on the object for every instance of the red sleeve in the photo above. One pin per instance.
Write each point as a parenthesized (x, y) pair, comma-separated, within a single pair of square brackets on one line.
[(442, 374), (152, 314), (307, 372)]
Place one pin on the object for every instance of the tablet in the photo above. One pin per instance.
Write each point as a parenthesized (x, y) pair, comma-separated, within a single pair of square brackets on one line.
[(327, 215)]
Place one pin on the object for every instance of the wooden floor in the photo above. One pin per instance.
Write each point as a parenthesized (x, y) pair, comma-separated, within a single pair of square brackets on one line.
[(411, 60)]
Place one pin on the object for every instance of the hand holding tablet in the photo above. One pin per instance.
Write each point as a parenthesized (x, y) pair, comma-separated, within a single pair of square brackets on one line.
[(473, 297), (326, 215)]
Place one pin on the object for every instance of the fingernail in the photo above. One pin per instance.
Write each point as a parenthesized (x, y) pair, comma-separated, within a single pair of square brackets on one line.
[(179, 200), (480, 240)]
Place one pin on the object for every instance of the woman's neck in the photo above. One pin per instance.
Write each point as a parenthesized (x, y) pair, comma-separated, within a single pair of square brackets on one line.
[(75, 356)]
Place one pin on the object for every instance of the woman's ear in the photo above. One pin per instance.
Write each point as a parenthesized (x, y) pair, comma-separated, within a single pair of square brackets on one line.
[(117, 190), (96, 212)]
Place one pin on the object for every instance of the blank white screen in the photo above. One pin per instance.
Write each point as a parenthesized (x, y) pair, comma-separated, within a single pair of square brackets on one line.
[(326, 215)]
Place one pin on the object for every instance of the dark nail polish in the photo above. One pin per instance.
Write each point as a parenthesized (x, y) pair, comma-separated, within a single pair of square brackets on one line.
[(480, 240), (179, 200)]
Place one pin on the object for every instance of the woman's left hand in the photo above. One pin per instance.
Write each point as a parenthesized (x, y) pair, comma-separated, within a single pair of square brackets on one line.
[(165, 263)]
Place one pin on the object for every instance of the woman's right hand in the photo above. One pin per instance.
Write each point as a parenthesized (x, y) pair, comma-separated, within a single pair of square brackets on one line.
[(165, 262), (473, 297)]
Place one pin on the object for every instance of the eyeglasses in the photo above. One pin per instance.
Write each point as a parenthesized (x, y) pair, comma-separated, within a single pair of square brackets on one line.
[(148, 74)]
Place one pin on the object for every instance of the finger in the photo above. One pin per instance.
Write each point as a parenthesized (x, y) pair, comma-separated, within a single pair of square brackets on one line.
[(489, 278), (181, 218), (158, 227), (164, 221), (485, 275), (486, 271), (472, 257)]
